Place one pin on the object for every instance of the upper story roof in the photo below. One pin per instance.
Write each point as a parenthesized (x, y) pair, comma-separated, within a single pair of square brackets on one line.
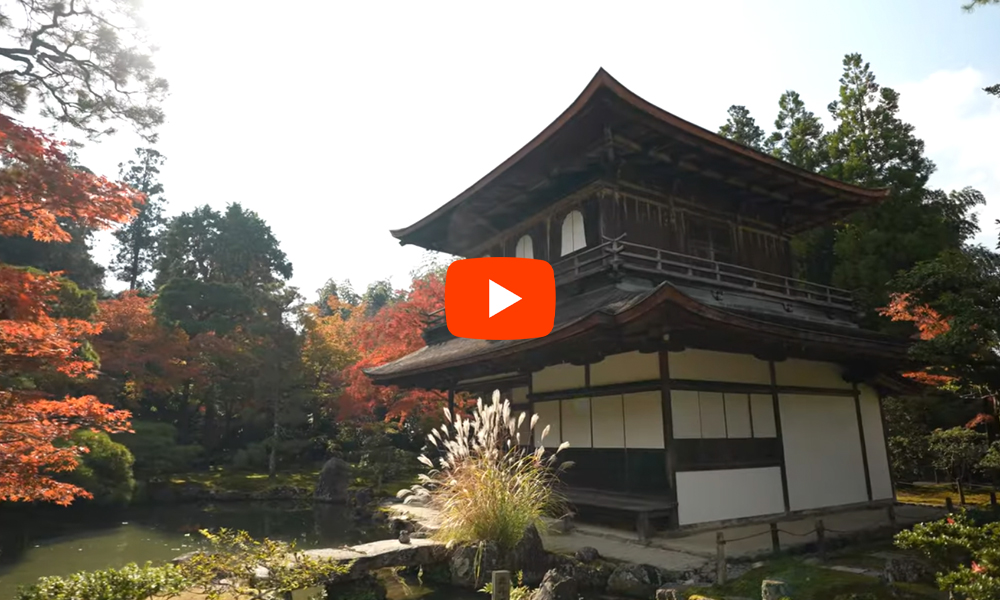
[(609, 124)]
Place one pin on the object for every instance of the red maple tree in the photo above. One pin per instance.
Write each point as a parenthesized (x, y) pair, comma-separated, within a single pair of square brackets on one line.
[(138, 350), (929, 324), (364, 342), (39, 188)]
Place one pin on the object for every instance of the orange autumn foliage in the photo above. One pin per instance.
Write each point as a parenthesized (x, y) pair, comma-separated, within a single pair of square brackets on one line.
[(38, 187), (929, 323), (362, 342), (136, 348)]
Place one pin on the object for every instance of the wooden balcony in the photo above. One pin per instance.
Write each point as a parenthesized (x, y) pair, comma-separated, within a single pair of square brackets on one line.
[(617, 256), (620, 255)]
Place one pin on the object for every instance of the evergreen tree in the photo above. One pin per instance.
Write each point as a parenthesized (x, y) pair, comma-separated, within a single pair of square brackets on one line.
[(136, 242), (798, 137), (742, 128), (871, 146)]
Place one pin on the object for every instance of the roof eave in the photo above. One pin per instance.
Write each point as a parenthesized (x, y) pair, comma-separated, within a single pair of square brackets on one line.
[(603, 80)]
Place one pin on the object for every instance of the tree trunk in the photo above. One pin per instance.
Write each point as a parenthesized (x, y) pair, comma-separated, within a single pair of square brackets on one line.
[(272, 461), (961, 492)]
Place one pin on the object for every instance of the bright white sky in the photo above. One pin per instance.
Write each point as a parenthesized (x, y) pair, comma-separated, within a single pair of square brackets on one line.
[(337, 121)]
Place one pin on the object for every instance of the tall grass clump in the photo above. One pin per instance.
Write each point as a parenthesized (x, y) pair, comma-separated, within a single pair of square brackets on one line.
[(485, 486)]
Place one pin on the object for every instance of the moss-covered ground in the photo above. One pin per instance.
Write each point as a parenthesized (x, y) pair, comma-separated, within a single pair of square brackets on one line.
[(936, 494), (809, 580)]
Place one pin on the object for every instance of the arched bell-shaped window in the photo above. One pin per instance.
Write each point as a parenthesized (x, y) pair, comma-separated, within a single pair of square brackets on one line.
[(573, 237), (525, 248)]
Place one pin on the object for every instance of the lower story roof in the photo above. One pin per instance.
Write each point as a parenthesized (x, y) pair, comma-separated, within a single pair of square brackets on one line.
[(586, 322)]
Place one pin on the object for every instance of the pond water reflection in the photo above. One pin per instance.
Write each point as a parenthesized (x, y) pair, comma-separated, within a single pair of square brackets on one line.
[(51, 541)]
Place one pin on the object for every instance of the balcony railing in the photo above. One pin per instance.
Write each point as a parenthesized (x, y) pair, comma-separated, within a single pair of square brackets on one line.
[(621, 256)]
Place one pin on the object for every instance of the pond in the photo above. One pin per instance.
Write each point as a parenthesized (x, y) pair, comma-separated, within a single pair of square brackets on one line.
[(53, 541)]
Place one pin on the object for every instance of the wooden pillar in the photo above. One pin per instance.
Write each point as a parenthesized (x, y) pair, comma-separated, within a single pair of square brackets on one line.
[(776, 402), (451, 401), (885, 441), (861, 434), (668, 434), (531, 415)]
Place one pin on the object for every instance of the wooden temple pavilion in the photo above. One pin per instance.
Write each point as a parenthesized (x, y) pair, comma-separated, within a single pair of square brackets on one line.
[(693, 375)]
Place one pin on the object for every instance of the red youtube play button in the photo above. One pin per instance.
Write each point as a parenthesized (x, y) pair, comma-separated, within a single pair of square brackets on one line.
[(500, 298)]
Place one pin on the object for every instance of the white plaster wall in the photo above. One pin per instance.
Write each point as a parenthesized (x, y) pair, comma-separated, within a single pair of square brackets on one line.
[(822, 451), (809, 373), (609, 421), (713, 414), (704, 496), (624, 368), (519, 395), (558, 377), (687, 414), (575, 425), (738, 415), (762, 413), (878, 458), (643, 420), (718, 366), (548, 415)]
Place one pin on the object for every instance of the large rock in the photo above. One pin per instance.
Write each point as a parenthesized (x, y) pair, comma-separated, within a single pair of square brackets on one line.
[(774, 589), (529, 557), (380, 555), (333, 481), (472, 564), (634, 581), (557, 584), (587, 554)]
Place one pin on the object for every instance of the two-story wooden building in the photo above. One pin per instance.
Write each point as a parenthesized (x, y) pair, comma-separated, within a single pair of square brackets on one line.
[(686, 364)]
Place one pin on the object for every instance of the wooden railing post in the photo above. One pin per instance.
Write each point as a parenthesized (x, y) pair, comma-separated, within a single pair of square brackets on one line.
[(720, 558), (820, 539), (775, 540)]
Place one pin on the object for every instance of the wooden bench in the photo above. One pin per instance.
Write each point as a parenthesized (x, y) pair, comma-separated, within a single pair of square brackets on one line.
[(646, 508)]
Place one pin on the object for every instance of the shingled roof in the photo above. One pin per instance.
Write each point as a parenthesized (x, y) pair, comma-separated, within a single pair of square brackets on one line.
[(571, 152), (613, 307)]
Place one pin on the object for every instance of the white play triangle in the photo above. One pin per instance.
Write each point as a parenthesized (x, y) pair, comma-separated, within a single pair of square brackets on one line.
[(501, 298)]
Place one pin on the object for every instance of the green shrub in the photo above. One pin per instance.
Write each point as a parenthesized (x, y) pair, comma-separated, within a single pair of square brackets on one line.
[(966, 556), (253, 457), (241, 557), (371, 449), (485, 486), (131, 582), (256, 456), (229, 569), (105, 471), (156, 450)]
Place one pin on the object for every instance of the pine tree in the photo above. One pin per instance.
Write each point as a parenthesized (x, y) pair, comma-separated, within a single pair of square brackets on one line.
[(798, 136), (136, 242), (742, 128)]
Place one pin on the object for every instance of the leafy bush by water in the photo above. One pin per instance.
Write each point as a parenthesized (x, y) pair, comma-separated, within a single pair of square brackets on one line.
[(131, 582), (105, 471), (485, 486), (229, 569)]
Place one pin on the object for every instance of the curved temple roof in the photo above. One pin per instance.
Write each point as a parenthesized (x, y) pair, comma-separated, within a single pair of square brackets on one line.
[(615, 308), (604, 105)]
